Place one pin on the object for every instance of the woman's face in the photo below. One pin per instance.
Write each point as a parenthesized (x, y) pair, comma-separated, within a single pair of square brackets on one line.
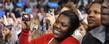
[(94, 15), (60, 27), (6, 31)]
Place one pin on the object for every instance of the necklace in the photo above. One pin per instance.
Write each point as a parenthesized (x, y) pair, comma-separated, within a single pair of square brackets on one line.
[(50, 40)]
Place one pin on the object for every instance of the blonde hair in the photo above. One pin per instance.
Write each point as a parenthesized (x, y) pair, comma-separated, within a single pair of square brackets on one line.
[(36, 32), (8, 36)]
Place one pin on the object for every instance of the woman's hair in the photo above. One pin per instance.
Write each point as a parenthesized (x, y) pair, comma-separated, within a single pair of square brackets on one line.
[(73, 20), (89, 5), (8, 36)]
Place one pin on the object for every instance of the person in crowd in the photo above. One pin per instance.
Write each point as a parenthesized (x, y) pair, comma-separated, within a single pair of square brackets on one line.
[(9, 17), (105, 17), (7, 34), (63, 28), (80, 32), (95, 32), (10, 21), (8, 4), (41, 15), (35, 25)]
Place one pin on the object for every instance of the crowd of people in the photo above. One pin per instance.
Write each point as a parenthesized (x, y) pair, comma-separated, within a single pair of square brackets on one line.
[(54, 22)]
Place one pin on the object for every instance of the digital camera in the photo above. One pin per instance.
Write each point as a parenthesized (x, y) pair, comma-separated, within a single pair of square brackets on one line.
[(26, 17)]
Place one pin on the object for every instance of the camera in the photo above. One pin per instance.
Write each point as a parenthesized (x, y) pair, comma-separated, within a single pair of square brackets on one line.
[(26, 17)]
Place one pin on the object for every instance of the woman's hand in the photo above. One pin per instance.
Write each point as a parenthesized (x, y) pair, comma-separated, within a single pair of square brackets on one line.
[(26, 25)]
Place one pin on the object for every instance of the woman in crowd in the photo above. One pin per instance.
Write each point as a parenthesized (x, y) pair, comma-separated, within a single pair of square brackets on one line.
[(66, 23), (7, 35), (35, 31), (80, 32), (95, 31)]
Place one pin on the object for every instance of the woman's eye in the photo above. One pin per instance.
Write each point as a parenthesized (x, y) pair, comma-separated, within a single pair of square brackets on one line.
[(64, 25), (96, 12)]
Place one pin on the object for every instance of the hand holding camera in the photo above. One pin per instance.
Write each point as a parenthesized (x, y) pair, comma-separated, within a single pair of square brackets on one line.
[(26, 21)]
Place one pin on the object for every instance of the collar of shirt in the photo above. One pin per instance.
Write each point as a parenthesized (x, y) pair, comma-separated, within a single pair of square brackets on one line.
[(98, 33)]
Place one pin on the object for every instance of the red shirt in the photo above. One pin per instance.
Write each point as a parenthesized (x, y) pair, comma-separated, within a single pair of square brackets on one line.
[(44, 39)]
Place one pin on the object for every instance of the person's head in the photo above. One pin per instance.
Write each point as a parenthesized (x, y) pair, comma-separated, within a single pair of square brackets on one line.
[(105, 13), (6, 31), (68, 6), (66, 23), (94, 15)]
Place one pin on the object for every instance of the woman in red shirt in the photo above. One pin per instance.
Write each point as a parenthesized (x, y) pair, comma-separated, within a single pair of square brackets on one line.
[(63, 28)]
